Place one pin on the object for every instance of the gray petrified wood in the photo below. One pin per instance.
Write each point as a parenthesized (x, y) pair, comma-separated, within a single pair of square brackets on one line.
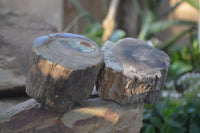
[(133, 72), (64, 69)]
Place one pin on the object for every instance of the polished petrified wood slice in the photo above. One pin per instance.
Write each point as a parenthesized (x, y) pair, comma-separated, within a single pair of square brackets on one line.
[(64, 69), (133, 72)]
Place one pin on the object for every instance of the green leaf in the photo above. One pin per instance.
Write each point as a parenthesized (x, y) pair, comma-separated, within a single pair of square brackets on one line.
[(191, 110), (150, 5), (94, 29), (81, 10), (175, 130), (150, 129), (180, 67), (163, 25), (173, 123), (118, 34), (194, 3), (138, 8), (146, 115), (98, 40), (169, 10), (73, 22), (147, 21), (173, 39), (160, 108), (156, 122), (194, 128)]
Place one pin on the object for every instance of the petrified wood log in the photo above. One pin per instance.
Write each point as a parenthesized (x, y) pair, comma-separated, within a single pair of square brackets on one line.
[(64, 69), (133, 72), (92, 116)]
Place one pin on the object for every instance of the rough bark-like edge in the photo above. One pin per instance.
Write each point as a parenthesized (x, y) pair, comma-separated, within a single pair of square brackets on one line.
[(149, 97), (47, 101)]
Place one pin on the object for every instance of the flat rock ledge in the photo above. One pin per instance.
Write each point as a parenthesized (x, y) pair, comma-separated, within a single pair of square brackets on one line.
[(133, 72), (91, 116), (17, 34)]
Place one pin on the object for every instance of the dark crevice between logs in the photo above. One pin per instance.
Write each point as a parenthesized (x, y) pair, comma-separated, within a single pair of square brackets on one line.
[(13, 92)]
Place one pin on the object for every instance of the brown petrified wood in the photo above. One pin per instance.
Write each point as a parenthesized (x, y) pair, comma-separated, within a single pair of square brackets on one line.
[(133, 72), (64, 69), (91, 116)]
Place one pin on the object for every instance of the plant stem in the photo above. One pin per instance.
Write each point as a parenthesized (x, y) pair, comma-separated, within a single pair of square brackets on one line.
[(138, 8), (172, 40), (74, 21), (166, 12), (147, 20), (109, 21), (81, 10)]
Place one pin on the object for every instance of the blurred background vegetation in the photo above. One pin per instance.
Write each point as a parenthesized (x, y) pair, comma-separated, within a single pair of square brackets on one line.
[(168, 25)]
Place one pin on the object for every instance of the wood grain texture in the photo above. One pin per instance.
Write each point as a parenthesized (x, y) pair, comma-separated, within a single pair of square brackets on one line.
[(64, 69), (133, 72)]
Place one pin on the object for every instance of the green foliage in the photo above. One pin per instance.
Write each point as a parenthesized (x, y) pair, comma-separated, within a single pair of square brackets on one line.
[(150, 17), (180, 115), (169, 116), (190, 83), (184, 58), (118, 34), (150, 129), (157, 27), (94, 31), (151, 24)]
